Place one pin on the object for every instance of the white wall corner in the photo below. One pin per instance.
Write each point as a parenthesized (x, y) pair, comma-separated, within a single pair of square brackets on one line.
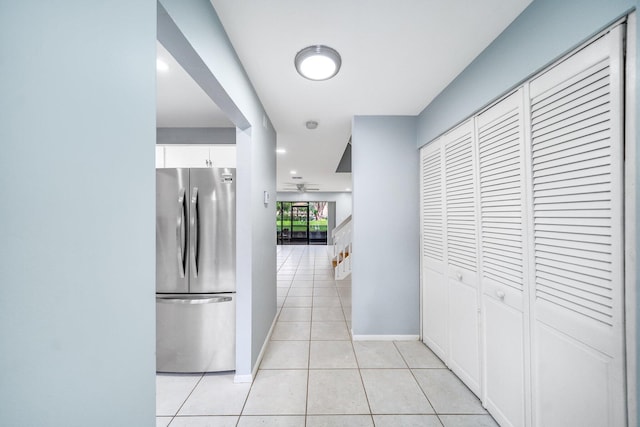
[(249, 377), (238, 379)]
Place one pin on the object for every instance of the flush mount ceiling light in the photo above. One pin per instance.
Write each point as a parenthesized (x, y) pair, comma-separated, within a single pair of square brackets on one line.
[(318, 62)]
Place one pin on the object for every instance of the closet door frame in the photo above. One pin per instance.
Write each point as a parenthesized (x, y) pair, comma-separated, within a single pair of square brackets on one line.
[(631, 220)]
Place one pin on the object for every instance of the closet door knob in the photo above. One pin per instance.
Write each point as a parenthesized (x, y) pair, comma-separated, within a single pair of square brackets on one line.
[(459, 275), (500, 294)]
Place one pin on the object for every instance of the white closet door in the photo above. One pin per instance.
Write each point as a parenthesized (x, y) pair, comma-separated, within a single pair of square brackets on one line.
[(501, 151), (462, 254), (435, 301), (576, 158)]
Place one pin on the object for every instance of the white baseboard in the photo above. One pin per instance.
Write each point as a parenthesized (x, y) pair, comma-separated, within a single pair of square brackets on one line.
[(386, 337), (247, 378), (243, 378)]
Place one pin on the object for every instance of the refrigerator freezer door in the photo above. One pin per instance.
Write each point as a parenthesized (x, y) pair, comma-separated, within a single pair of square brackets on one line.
[(195, 333), (172, 213), (212, 260)]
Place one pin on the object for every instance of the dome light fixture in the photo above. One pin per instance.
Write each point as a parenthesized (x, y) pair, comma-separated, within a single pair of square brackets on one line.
[(318, 62)]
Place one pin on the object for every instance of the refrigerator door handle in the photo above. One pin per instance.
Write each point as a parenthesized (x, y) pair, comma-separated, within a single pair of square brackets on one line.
[(194, 231), (193, 300), (181, 233)]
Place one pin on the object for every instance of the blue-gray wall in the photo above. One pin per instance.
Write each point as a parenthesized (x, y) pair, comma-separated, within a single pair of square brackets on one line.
[(213, 63), (386, 273), (542, 33), (77, 184), (196, 135), (546, 30)]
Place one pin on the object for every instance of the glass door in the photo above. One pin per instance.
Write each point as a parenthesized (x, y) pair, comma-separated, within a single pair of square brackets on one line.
[(284, 224), (300, 223), (318, 222)]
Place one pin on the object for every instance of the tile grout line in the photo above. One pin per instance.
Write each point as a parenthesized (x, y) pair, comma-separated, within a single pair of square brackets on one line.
[(185, 400), (418, 382), (306, 401), (366, 395), (246, 399)]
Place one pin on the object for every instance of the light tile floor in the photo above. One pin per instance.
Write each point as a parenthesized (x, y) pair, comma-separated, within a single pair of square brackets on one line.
[(313, 375)]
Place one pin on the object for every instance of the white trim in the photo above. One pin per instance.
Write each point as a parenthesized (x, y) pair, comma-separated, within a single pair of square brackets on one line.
[(238, 379), (248, 378), (386, 337), (631, 219), (528, 263), (421, 151)]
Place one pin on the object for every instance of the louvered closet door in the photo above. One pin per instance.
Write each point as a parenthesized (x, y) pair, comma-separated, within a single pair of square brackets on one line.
[(576, 158), (502, 197), (435, 301), (462, 254)]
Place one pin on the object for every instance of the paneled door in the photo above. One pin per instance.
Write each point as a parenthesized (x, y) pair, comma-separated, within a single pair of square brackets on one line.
[(435, 299), (462, 249), (577, 229), (501, 153)]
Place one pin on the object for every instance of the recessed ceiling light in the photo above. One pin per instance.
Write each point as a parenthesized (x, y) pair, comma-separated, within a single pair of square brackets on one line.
[(318, 62), (281, 150), (161, 65), (293, 172)]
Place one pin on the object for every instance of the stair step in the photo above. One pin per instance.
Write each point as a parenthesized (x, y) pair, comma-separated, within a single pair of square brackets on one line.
[(338, 259)]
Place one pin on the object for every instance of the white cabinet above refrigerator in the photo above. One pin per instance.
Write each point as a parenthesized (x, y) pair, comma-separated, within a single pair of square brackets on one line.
[(196, 156)]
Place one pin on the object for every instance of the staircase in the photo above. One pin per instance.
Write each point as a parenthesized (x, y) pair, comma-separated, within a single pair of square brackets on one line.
[(342, 249)]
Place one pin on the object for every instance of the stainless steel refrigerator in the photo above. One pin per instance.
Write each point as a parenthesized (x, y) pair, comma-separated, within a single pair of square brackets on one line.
[(195, 270)]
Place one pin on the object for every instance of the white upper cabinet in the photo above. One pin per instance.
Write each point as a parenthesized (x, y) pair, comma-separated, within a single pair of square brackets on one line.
[(198, 156), (186, 156), (159, 156)]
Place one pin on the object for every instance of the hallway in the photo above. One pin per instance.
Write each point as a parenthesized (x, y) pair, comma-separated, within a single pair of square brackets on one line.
[(313, 375)]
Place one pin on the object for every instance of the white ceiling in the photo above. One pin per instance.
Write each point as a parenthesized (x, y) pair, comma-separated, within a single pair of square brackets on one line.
[(396, 57)]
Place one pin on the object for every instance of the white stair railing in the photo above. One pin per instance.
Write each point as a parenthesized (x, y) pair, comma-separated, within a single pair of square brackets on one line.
[(342, 249)]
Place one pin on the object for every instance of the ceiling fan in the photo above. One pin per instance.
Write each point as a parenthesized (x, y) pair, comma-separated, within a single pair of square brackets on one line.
[(301, 186)]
